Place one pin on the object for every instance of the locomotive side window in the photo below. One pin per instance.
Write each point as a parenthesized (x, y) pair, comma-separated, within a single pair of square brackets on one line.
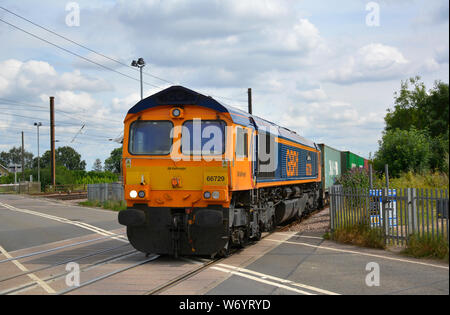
[(150, 138), (241, 143), (203, 137), (267, 160)]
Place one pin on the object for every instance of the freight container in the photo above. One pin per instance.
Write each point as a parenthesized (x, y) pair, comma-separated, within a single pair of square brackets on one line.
[(350, 160), (331, 166)]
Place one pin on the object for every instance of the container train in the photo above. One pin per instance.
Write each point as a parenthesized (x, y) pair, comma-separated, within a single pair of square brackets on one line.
[(201, 177)]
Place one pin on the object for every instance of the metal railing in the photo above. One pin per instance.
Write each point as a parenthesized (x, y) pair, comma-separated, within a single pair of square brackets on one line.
[(105, 192), (396, 213), (21, 188)]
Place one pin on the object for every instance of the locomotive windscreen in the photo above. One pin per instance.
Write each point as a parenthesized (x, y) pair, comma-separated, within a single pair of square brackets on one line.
[(150, 138), (205, 137)]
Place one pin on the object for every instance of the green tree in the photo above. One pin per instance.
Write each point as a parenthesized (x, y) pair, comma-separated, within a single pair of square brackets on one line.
[(65, 156), (425, 111), (97, 167), (403, 150), (408, 103), (14, 156), (114, 162)]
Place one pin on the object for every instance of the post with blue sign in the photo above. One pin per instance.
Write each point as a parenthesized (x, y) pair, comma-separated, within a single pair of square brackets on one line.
[(383, 205)]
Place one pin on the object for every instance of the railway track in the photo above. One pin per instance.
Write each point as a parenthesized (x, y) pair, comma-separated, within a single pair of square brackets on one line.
[(183, 277), (207, 264), (119, 254), (203, 266), (72, 196), (59, 276), (109, 274)]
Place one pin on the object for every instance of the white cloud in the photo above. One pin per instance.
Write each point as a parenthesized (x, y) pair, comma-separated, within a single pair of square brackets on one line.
[(313, 95), (373, 62), (24, 79), (70, 101), (292, 53), (442, 54), (430, 65), (125, 103), (301, 38)]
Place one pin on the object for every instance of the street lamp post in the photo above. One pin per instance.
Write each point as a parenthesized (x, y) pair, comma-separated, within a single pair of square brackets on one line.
[(140, 63), (38, 124)]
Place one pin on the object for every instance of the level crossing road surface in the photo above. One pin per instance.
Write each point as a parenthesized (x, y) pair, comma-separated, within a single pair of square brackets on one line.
[(281, 263), (27, 222)]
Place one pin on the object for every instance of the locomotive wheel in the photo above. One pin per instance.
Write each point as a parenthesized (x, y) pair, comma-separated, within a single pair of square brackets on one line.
[(225, 251), (258, 236)]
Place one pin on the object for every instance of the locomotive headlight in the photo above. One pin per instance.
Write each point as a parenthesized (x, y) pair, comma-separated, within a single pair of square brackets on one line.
[(216, 195), (207, 194), (141, 194), (176, 112), (133, 194)]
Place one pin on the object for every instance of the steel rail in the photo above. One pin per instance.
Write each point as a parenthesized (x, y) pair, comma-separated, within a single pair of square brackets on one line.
[(190, 274), (110, 274), (99, 263), (181, 278), (61, 263), (58, 248)]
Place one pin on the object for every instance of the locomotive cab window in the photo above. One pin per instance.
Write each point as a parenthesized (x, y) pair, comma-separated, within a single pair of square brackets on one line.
[(203, 137), (241, 143), (150, 138)]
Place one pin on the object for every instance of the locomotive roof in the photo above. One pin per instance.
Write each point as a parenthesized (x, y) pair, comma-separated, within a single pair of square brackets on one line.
[(179, 95)]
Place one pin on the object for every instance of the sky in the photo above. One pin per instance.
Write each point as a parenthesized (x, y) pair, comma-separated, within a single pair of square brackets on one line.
[(325, 69)]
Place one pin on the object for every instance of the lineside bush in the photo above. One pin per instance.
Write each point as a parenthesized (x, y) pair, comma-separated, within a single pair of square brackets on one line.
[(354, 178), (108, 205), (424, 246), (426, 180), (361, 235)]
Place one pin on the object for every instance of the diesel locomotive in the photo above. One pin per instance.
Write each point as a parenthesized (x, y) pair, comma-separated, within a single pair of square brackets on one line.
[(201, 177)]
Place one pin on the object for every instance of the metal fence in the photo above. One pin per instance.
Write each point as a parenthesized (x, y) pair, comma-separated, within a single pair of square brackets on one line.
[(21, 188), (396, 213), (105, 192)]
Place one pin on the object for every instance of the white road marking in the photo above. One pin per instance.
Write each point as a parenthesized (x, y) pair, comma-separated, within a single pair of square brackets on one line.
[(32, 276), (282, 286), (302, 236), (359, 253), (265, 276), (67, 221)]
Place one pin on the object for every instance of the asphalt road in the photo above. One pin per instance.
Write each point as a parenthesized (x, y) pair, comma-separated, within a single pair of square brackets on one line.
[(335, 269), (282, 263), (27, 222)]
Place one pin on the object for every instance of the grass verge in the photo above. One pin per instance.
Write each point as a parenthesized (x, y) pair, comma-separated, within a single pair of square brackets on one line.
[(108, 205), (360, 235), (425, 246)]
